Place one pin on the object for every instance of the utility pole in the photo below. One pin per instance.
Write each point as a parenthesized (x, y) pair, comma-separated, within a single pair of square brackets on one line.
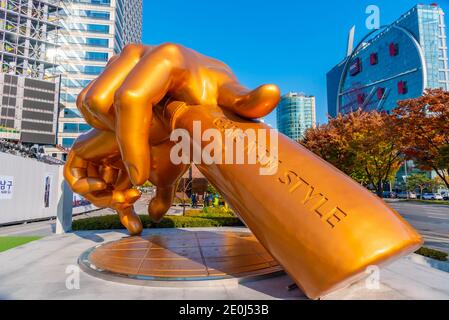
[(405, 178)]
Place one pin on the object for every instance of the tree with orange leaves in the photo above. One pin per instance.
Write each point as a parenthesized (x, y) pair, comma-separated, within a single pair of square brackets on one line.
[(364, 145), (425, 120)]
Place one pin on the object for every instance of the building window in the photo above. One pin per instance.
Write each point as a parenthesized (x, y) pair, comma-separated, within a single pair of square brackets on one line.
[(402, 87), (72, 113), (83, 127), (394, 49), (93, 70), (97, 42), (96, 56), (373, 59), (76, 127), (360, 98), (98, 28), (356, 67), (68, 142), (380, 93), (70, 128)]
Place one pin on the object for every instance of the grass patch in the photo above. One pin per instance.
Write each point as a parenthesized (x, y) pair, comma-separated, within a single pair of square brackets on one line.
[(432, 253), (7, 243), (427, 201), (192, 219)]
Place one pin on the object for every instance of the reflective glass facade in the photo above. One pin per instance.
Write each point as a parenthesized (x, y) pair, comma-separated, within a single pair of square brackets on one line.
[(93, 31), (396, 63), (295, 114)]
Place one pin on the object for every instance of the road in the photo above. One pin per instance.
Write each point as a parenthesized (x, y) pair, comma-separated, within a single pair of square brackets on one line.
[(431, 220)]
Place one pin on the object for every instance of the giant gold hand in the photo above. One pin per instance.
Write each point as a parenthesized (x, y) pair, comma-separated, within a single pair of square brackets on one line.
[(320, 225), (128, 141)]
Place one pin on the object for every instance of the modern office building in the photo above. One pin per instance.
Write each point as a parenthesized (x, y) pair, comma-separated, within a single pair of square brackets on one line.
[(29, 94), (295, 114), (397, 62), (93, 31)]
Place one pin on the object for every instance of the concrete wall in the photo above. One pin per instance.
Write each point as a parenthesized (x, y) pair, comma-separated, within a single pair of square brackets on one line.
[(27, 198)]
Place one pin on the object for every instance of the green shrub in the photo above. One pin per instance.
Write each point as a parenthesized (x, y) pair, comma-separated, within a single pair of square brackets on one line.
[(196, 221), (432, 253), (209, 213), (218, 210)]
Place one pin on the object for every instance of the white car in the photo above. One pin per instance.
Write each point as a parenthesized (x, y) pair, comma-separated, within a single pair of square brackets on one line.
[(406, 195), (432, 196)]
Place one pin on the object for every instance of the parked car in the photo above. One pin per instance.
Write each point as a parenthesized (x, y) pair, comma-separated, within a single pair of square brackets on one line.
[(406, 195), (432, 196)]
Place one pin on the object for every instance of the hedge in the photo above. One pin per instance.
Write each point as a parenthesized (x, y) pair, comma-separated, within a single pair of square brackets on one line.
[(432, 253), (196, 221)]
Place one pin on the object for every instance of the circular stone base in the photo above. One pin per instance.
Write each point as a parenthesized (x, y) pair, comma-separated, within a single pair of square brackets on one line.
[(197, 258)]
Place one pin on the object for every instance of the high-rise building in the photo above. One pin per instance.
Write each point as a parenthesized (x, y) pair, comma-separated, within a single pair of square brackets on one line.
[(397, 62), (93, 31), (29, 95), (295, 114)]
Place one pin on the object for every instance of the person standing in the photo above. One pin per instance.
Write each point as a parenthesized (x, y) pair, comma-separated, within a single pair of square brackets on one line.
[(216, 201), (206, 199), (194, 200)]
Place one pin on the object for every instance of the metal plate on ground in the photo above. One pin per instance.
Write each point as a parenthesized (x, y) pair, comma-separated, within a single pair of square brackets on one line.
[(182, 258)]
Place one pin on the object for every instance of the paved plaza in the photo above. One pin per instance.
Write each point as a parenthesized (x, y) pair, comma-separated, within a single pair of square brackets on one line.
[(43, 269)]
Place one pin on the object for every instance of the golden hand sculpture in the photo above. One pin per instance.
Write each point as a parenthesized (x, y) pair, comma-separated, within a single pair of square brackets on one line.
[(320, 225), (127, 137)]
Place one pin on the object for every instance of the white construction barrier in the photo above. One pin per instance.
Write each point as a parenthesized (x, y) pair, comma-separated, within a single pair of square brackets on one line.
[(32, 190)]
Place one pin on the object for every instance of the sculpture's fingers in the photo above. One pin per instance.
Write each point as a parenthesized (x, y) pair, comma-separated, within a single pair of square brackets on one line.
[(117, 193), (125, 208), (88, 116), (96, 146), (144, 87), (123, 200), (99, 97), (161, 203), (124, 194), (107, 199), (130, 220), (246, 103), (108, 174), (165, 176), (101, 199), (76, 175)]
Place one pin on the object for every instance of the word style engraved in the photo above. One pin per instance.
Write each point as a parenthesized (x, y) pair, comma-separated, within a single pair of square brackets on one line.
[(313, 199)]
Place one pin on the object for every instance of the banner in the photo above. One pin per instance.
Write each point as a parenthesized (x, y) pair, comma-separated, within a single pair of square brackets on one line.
[(6, 187), (47, 191)]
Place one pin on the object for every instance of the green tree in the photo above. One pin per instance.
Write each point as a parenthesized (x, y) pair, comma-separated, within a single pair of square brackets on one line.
[(419, 181), (364, 145), (426, 122)]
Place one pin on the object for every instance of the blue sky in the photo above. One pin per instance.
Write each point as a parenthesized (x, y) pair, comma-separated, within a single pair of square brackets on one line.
[(286, 42)]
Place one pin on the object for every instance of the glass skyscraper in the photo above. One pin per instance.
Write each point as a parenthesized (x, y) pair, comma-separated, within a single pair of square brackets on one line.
[(93, 31), (397, 62), (295, 114)]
